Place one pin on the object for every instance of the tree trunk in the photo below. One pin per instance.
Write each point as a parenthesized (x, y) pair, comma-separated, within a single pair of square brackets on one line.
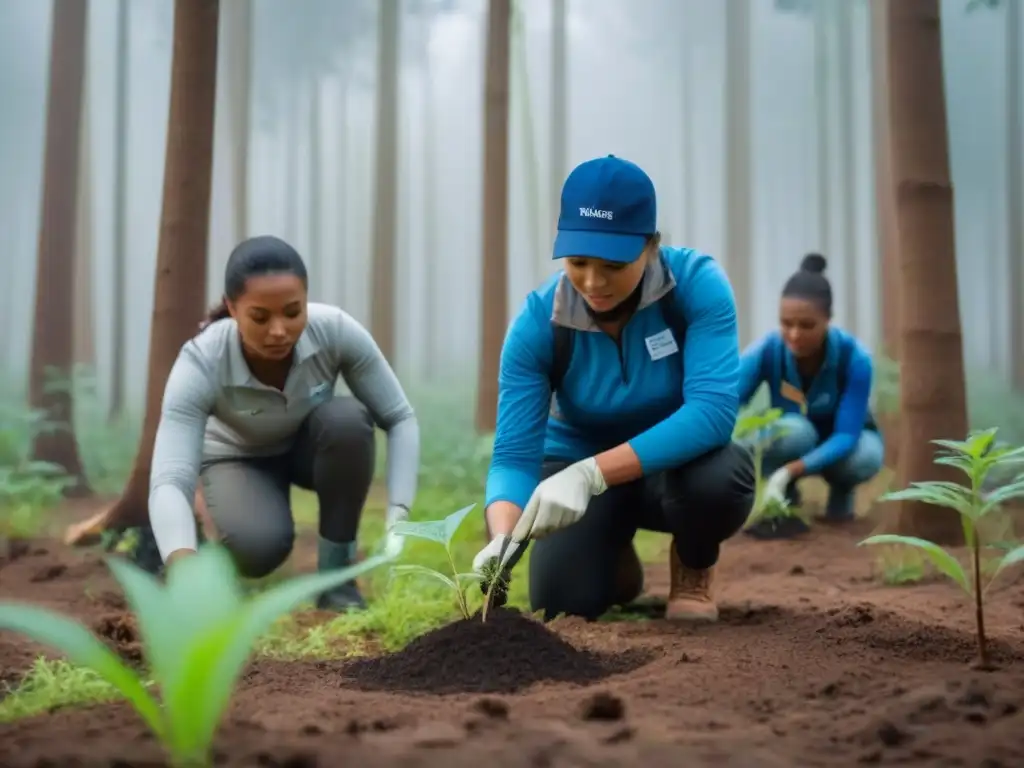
[(887, 241), (316, 255), (843, 15), (120, 255), (559, 105), (180, 285), (385, 208), (239, 29), (689, 121), (887, 235), (52, 337), (822, 123), (341, 257), (83, 330), (494, 266), (436, 274), (738, 244), (1015, 194), (932, 397)]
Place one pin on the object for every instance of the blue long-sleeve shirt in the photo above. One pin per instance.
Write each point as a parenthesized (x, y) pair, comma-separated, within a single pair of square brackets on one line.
[(838, 416), (633, 391)]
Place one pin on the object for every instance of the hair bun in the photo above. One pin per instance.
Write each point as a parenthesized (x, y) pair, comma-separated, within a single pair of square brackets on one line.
[(813, 262)]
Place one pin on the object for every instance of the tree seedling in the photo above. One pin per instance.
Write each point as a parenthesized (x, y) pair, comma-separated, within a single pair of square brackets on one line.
[(760, 430), (493, 584), (197, 633), (976, 457)]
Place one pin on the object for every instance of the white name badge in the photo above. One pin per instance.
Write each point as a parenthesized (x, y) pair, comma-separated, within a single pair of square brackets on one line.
[(661, 344)]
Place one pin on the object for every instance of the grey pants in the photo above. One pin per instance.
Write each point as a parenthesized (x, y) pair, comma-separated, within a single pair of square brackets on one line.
[(248, 500)]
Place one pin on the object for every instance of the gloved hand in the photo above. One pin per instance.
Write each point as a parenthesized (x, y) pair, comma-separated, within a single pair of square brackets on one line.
[(493, 550), (393, 542), (560, 500), (775, 488)]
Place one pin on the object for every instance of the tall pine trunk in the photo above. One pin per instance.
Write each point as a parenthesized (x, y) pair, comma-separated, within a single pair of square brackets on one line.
[(932, 389), (738, 196), (494, 267), (120, 253), (52, 332), (180, 284), (1015, 193), (385, 205)]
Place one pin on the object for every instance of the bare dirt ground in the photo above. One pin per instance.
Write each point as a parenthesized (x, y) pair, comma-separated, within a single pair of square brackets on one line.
[(814, 663)]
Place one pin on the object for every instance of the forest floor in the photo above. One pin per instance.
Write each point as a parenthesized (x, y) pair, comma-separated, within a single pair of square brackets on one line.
[(816, 662)]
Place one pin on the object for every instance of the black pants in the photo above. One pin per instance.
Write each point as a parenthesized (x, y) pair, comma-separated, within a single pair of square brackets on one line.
[(701, 504)]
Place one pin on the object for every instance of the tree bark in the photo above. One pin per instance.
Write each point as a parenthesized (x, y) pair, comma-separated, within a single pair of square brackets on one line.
[(239, 29), (120, 254), (385, 208), (52, 334), (843, 15), (738, 244), (932, 391), (494, 264), (1015, 194), (84, 327), (316, 256), (179, 295)]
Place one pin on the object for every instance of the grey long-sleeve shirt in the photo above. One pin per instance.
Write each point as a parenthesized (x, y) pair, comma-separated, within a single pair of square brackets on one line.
[(214, 408)]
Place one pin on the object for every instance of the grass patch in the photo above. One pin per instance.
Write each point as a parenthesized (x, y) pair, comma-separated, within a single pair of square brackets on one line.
[(51, 684)]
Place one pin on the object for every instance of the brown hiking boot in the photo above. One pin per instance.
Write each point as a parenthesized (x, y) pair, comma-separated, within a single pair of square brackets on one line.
[(629, 576), (689, 597)]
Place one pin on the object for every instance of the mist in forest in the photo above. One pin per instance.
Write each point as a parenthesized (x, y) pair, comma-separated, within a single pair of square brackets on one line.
[(647, 80)]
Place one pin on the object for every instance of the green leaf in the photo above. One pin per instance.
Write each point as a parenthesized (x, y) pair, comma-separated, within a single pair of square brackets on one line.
[(1014, 490), (83, 649), (218, 655), (942, 494), (454, 520), (939, 557), (422, 570), (1013, 557), (429, 530)]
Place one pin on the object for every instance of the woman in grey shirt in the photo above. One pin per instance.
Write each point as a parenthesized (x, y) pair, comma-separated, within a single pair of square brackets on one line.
[(249, 409)]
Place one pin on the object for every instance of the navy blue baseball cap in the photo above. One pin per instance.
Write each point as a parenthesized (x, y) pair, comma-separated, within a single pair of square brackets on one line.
[(609, 210)]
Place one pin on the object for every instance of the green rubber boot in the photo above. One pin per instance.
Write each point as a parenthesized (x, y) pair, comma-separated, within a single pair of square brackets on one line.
[(333, 556)]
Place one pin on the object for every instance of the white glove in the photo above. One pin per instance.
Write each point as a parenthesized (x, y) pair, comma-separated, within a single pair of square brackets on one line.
[(393, 542), (560, 500), (775, 488), (493, 550)]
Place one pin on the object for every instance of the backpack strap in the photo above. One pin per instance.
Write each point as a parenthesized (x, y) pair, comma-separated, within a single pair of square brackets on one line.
[(561, 354), (564, 339)]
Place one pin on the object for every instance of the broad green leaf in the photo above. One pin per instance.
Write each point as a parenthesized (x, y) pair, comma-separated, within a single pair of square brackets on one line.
[(218, 655), (83, 649), (148, 601), (422, 570), (940, 494), (939, 557), (1012, 557), (1014, 490), (454, 520), (431, 530), (956, 446)]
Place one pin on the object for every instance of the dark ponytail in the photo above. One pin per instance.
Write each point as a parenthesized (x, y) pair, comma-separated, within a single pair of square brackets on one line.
[(810, 283), (262, 255)]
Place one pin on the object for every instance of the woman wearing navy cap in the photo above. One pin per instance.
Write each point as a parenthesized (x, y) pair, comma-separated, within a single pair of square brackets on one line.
[(820, 376), (618, 393)]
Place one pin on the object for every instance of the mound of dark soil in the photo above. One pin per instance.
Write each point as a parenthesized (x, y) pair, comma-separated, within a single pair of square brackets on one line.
[(509, 652)]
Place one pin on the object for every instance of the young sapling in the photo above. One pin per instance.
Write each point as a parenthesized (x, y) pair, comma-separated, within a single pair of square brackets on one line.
[(770, 518), (442, 532), (976, 457), (197, 633)]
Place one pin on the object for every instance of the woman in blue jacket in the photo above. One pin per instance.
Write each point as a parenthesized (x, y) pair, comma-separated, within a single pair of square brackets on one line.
[(617, 397), (820, 376)]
